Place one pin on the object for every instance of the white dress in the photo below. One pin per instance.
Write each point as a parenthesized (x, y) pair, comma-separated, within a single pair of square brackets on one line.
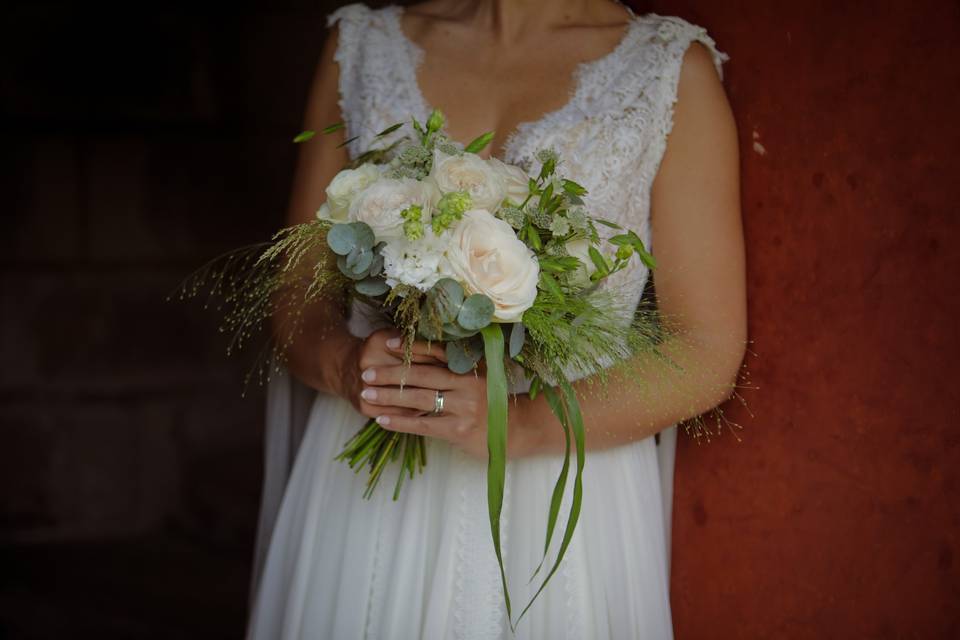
[(333, 565)]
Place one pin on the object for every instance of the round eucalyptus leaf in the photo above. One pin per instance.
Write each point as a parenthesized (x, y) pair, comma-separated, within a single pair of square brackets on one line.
[(476, 312), (429, 330), (372, 287), (453, 331), (342, 238), (445, 298), (347, 271), (462, 356), (364, 234), (359, 260)]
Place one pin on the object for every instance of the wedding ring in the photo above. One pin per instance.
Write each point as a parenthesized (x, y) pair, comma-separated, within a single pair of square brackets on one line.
[(437, 404)]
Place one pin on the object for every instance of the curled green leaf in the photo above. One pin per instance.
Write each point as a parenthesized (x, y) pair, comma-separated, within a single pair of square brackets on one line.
[(303, 136), (478, 143)]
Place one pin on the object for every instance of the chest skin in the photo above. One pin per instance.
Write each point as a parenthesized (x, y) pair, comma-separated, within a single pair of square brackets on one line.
[(482, 84)]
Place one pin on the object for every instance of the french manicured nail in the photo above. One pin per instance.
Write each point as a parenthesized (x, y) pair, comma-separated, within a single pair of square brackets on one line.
[(369, 375), (369, 394), (383, 420), (393, 343)]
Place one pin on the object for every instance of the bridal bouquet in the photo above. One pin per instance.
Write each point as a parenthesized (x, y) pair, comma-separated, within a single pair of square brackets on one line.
[(500, 266)]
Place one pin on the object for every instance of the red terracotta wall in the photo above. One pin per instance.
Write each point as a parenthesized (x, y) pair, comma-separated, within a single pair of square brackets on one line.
[(837, 515)]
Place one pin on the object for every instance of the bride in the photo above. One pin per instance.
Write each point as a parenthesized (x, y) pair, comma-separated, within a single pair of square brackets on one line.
[(635, 107)]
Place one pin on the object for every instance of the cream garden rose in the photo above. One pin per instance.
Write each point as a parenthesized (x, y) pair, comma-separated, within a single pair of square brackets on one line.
[(343, 189), (485, 256), (380, 204), (471, 173), (516, 182)]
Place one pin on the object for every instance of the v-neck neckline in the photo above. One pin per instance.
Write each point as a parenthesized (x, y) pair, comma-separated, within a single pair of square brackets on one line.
[(512, 146)]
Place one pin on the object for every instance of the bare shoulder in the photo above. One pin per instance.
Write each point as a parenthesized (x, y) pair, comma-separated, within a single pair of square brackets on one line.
[(698, 66), (702, 113)]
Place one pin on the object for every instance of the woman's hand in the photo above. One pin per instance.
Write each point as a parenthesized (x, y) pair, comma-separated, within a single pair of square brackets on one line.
[(382, 348), (463, 421)]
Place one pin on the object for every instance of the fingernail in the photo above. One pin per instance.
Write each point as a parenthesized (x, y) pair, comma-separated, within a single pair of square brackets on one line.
[(369, 375), (393, 343), (369, 394), (383, 420)]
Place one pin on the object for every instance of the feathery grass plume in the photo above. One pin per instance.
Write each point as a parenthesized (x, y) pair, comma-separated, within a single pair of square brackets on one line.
[(267, 287)]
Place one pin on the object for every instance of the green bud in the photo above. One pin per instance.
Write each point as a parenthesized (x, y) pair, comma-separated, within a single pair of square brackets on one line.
[(413, 229), (436, 121), (412, 226), (450, 208), (455, 203), (624, 251)]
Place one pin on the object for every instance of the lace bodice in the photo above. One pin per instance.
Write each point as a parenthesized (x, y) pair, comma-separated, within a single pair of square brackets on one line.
[(611, 134)]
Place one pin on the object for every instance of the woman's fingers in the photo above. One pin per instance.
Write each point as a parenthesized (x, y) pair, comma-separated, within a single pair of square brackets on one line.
[(425, 376), (420, 348), (410, 397), (447, 428)]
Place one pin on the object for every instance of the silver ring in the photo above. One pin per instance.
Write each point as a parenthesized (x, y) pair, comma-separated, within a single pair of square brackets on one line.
[(437, 404)]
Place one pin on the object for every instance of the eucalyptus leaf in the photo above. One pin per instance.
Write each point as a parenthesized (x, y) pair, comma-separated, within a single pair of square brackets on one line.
[(364, 234), (453, 331), (462, 357), (330, 128), (347, 271), (342, 238), (360, 259), (445, 298), (429, 330), (476, 312), (376, 267), (372, 287), (518, 334)]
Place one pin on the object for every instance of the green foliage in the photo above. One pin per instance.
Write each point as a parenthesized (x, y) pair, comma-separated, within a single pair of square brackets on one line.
[(303, 136), (477, 144), (476, 312)]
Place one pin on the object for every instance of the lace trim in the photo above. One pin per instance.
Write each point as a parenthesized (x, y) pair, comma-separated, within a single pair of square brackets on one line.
[(675, 35), (375, 89)]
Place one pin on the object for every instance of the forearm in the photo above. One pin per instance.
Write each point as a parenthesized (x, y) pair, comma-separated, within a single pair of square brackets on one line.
[(639, 398), (320, 353)]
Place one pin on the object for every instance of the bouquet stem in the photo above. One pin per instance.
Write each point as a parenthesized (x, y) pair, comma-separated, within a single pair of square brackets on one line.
[(376, 447)]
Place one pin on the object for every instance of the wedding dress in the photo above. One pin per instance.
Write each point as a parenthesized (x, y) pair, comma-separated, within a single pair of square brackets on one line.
[(331, 565)]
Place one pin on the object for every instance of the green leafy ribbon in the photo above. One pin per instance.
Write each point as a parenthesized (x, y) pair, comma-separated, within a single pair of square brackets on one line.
[(565, 406)]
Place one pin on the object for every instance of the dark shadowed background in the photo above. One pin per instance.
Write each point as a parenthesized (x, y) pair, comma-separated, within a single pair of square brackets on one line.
[(138, 144)]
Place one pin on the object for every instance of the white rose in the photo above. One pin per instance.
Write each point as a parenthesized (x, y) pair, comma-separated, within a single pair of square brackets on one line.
[(486, 256), (516, 182), (471, 173), (380, 204), (580, 249), (345, 186), (415, 263)]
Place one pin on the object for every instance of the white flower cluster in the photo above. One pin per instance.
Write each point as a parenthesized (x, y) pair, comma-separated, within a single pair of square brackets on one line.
[(428, 236)]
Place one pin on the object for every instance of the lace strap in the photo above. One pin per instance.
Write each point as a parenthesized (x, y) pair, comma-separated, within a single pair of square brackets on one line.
[(670, 37), (351, 21)]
